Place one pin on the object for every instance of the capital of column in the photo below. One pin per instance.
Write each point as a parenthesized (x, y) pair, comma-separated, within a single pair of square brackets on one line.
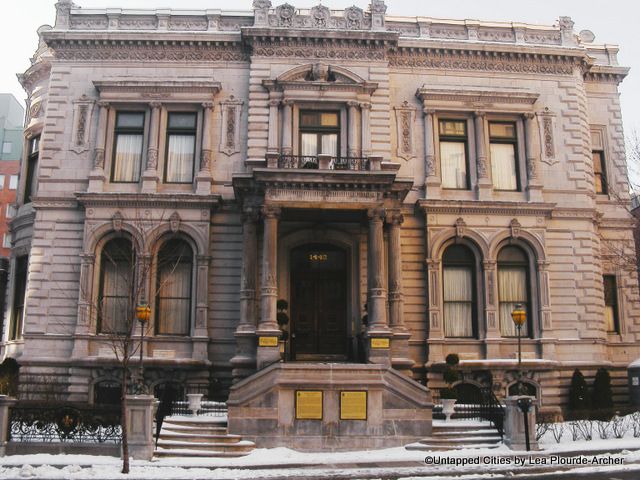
[(395, 218), (250, 214), (479, 114), (428, 111), (208, 105), (88, 258), (365, 105), (353, 104), (155, 104), (271, 211), (529, 116), (203, 260), (376, 214), (103, 104), (274, 103), (287, 102), (489, 264), (432, 264)]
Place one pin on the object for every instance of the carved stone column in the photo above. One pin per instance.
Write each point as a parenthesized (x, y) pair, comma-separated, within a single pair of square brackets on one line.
[(272, 145), (484, 187), (268, 328), (244, 361), (200, 337), (204, 179), (287, 127), (352, 137), (84, 324), (436, 330), (546, 324), (492, 335), (150, 175), (97, 175), (432, 180), (532, 153), (365, 119), (378, 332), (400, 342)]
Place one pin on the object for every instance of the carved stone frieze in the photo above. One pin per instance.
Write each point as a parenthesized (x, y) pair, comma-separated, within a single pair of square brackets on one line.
[(405, 119), (231, 111), (320, 16), (546, 121), (82, 110), (285, 14), (328, 49), (188, 23)]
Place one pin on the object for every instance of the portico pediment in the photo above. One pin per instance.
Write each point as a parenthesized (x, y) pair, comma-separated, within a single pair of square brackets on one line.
[(320, 76)]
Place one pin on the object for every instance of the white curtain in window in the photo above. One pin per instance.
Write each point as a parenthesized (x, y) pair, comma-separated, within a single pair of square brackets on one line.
[(116, 287), (503, 166), (128, 158), (330, 144), (512, 287), (309, 145), (180, 156), (174, 297), (610, 318), (458, 301), (453, 165)]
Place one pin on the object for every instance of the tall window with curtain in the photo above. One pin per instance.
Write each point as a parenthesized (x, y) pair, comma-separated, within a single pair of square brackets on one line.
[(19, 296), (319, 133), (513, 288), (458, 285), (128, 141), (453, 154), (611, 303), (503, 145), (600, 171), (31, 185), (173, 288), (181, 147), (116, 286)]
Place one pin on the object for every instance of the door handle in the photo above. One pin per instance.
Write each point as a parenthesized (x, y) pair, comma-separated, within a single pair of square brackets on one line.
[(293, 335)]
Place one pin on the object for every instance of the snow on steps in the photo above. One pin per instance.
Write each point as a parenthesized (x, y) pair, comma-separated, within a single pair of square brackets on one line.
[(458, 435), (199, 437)]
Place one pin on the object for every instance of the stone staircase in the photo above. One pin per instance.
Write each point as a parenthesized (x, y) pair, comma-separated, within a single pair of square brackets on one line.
[(459, 434), (193, 436)]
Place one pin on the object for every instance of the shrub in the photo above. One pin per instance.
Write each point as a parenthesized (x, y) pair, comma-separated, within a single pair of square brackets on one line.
[(602, 397), (579, 399)]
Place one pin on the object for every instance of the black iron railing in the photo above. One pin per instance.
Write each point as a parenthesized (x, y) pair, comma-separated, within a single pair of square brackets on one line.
[(64, 423), (312, 162), (482, 406)]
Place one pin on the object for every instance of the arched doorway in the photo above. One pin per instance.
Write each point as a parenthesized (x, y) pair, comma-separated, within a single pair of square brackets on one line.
[(318, 301)]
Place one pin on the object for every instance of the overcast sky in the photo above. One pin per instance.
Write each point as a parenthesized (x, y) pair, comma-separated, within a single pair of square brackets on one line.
[(612, 22)]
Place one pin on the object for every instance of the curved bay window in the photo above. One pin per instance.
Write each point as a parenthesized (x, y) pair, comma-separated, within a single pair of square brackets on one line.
[(459, 298), (173, 287), (115, 310), (513, 288)]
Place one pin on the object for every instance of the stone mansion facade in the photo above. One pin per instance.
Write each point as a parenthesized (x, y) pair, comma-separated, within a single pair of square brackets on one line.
[(401, 182)]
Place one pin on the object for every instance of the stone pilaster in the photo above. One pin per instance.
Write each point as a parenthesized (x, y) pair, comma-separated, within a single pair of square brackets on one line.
[(268, 325), (365, 119), (150, 175), (200, 337), (272, 139), (352, 134), (484, 187), (532, 153), (378, 329), (492, 334), (83, 326), (400, 341), (436, 329), (244, 361), (287, 127), (97, 176), (204, 179), (432, 181)]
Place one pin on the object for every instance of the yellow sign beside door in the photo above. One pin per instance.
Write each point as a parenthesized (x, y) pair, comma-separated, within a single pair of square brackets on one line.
[(379, 343), (268, 342), (308, 405), (353, 405)]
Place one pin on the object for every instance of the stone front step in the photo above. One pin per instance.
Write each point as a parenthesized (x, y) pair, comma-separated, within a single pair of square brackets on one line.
[(459, 435), (199, 437)]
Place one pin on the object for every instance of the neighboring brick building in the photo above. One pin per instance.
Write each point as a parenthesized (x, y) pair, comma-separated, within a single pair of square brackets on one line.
[(438, 171)]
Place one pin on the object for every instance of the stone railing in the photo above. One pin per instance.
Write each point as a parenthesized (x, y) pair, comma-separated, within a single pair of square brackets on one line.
[(324, 162)]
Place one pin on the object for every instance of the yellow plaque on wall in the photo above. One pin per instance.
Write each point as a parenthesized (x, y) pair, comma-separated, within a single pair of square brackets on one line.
[(353, 405), (308, 405), (379, 343), (268, 342)]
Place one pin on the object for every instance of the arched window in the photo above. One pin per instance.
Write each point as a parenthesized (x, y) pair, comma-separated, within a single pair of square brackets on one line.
[(107, 393), (513, 288), (459, 292), (115, 312), (173, 287)]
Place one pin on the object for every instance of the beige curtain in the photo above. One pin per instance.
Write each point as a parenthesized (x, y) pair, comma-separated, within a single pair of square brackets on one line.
[(128, 158), (458, 301), (116, 291), (174, 298), (180, 156), (503, 166), (330, 144), (512, 289), (453, 164)]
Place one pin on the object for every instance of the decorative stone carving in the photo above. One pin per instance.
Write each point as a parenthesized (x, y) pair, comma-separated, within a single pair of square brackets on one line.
[(82, 110), (405, 118), (546, 121), (515, 228), (174, 222), (116, 221), (261, 4), (460, 227), (35, 110), (320, 16), (205, 159), (320, 73), (378, 10), (285, 14), (354, 17), (152, 159), (98, 159)]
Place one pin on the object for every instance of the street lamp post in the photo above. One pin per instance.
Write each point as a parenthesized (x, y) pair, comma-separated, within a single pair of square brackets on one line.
[(143, 312), (519, 316)]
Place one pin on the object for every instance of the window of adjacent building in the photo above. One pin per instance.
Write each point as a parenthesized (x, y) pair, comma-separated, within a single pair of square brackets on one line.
[(600, 171), (13, 182), (611, 303), (458, 283), (173, 287), (6, 240), (7, 147), (128, 142), (319, 133), (19, 294), (453, 154), (503, 146), (1, 182), (10, 211), (31, 184), (116, 288), (181, 147), (513, 289)]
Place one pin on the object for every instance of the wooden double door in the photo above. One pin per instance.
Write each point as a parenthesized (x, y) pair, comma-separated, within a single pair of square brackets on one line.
[(319, 302)]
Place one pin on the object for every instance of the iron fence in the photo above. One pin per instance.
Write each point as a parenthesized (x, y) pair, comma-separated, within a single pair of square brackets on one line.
[(311, 162), (484, 405)]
